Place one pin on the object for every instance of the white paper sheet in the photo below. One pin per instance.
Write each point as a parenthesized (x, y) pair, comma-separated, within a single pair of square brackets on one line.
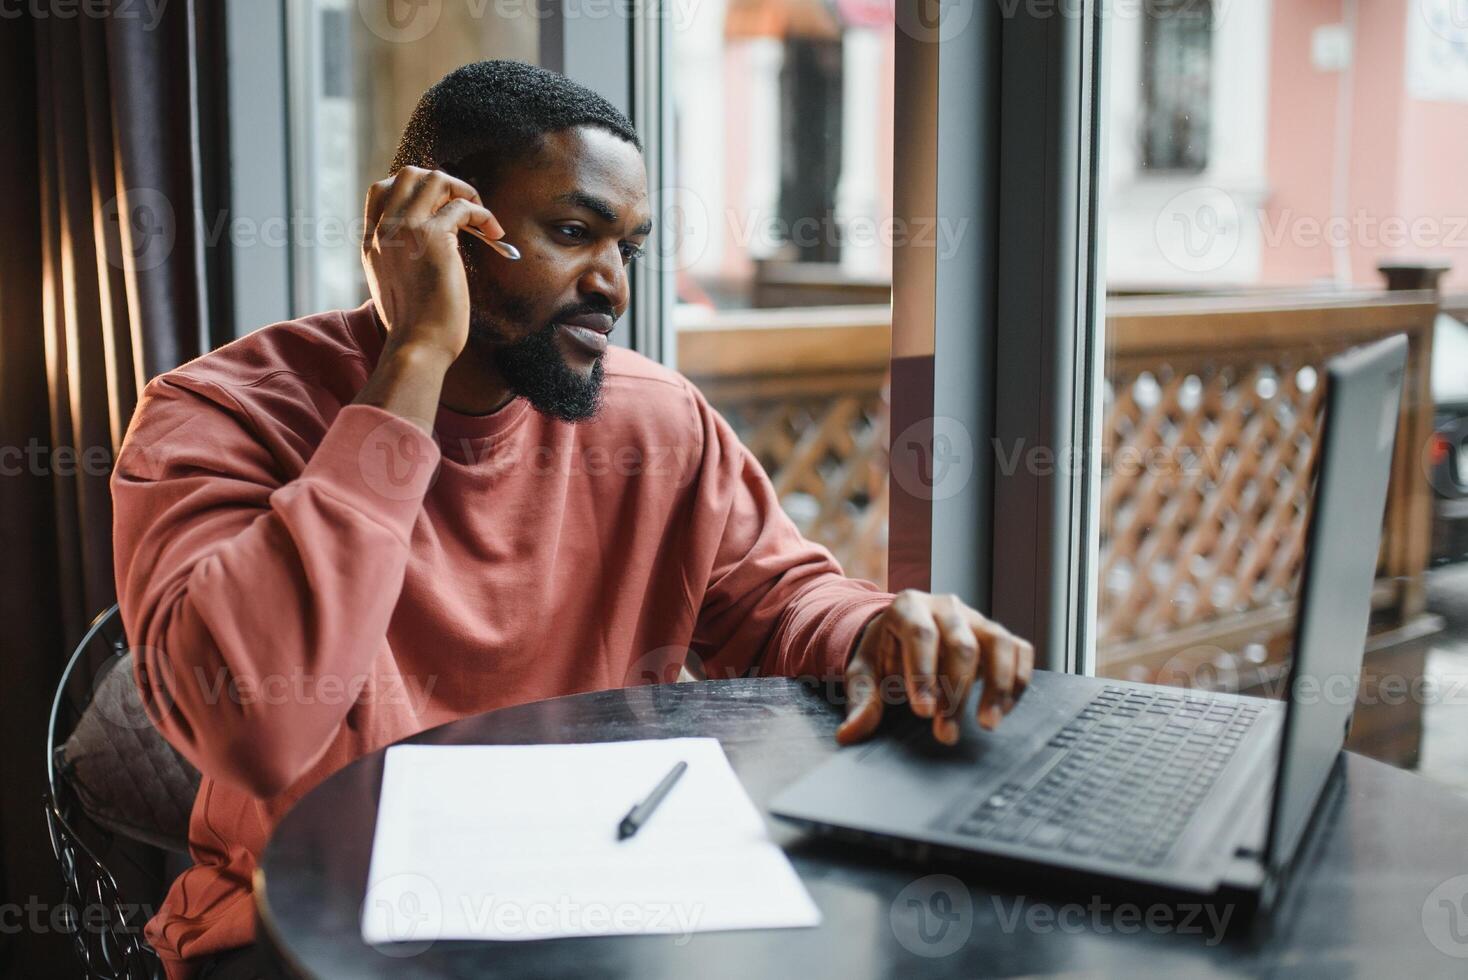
[(509, 842)]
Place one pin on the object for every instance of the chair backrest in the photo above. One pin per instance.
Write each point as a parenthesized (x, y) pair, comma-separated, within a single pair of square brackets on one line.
[(116, 790)]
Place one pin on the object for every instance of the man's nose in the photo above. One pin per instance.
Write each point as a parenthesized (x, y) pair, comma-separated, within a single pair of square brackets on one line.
[(606, 276)]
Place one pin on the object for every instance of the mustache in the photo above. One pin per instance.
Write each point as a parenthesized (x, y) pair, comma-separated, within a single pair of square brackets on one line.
[(602, 308)]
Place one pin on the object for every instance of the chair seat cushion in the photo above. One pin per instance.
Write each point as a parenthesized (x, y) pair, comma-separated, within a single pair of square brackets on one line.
[(126, 776)]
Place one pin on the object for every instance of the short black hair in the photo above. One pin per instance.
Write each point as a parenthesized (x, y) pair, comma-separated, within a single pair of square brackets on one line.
[(491, 113)]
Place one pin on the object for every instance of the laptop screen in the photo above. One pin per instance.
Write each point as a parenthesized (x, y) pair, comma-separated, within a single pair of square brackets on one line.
[(1363, 390)]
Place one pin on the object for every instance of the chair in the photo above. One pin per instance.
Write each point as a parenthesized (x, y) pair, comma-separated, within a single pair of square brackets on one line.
[(117, 806)]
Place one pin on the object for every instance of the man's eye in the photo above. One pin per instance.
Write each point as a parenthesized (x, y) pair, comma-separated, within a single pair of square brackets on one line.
[(575, 232), (631, 253)]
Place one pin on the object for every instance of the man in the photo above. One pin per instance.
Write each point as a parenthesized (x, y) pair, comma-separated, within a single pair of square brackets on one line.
[(339, 531)]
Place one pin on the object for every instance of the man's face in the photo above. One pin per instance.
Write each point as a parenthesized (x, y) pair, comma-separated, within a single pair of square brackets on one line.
[(578, 213)]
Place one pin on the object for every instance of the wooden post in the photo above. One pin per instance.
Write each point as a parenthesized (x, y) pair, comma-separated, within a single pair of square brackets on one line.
[(1410, 555)]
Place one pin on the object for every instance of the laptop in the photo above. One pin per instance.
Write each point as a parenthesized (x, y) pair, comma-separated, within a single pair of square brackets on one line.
[(1170, 791)]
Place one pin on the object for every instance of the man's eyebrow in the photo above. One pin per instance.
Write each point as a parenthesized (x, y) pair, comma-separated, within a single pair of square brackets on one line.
[(602, 209), (598, 206)]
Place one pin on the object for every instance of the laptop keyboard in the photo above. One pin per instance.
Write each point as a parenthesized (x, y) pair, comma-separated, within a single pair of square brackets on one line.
[(1121, 781)]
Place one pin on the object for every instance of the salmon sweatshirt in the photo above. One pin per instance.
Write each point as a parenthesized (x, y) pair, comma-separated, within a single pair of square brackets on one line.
[(304, 580)]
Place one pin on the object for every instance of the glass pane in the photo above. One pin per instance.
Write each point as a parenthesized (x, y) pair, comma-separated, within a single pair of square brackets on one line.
[(781, 248), (1276, 174), (357, 71)]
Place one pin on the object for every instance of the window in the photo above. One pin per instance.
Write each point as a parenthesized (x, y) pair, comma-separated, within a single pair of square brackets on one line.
[(356, 72), (1177, 53), (1292, 167), (783, 148)]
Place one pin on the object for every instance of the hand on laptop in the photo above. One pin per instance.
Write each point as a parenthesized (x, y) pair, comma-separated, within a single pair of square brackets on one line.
[(930, 649)]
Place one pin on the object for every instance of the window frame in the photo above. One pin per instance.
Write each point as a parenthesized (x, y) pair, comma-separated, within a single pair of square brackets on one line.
[(1049, 330), (1016, 151), (623, 57), (258, 182)]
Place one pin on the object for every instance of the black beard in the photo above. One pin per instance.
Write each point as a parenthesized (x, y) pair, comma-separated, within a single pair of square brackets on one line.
[(535, 369)]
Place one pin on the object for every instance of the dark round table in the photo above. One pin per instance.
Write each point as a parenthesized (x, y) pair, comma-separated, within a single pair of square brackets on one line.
[(1378, 891)]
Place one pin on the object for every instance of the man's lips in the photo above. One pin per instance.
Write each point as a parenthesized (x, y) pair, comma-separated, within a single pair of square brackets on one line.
[(589, 330), (599, 322)]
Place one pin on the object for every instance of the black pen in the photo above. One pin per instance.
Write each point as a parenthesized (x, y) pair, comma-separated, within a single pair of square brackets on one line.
[(638, 815)]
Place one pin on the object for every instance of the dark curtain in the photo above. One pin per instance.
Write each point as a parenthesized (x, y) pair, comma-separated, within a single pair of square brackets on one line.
[(104, 282)]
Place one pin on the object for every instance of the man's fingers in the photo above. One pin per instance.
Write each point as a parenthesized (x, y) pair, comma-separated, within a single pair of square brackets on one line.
[(958, 663), (1000, 666), (376, 199), (917, 634), (404, 186), (863, 700), (436, 191), (460, 213), (1025, 669), (414, 193)]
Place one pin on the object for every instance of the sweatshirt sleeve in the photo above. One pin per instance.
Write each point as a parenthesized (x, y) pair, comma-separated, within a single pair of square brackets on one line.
[(241, 591), (773, 602)]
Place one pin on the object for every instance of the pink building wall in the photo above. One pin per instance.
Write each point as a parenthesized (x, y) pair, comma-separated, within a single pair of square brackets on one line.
[(1407, 157)]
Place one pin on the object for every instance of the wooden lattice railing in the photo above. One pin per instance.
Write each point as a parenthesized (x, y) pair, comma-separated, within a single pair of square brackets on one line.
[(1209, 443), (1211, 411), (806, 391)]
